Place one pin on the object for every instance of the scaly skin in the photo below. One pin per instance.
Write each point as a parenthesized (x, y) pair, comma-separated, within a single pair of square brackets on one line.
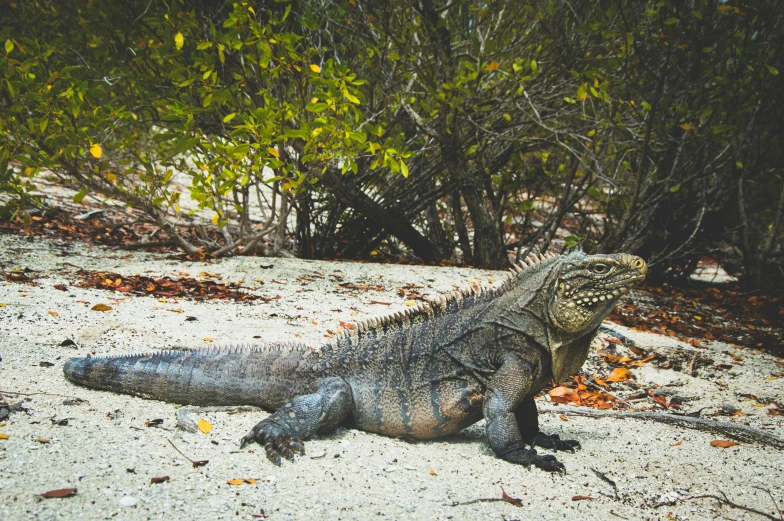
[(423, 373)]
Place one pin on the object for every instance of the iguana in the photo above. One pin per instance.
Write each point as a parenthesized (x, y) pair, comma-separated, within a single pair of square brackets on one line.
[(423, 373)]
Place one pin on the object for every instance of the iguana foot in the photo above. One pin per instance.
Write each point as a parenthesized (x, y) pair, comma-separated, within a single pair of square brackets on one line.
[(554, 442), (528, 457), (276, 441)]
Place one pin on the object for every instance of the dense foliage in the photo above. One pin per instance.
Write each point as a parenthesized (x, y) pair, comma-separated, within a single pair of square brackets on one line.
[(480, 128)]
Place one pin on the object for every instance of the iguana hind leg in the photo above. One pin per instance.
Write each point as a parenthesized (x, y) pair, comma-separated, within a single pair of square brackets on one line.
[(282, 433), (528, 423)]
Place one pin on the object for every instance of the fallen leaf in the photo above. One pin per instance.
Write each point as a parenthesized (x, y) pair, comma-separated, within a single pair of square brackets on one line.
[(208, 339), (60, 492), (580, 498), (513, 500), (204, 426), (564, 418), (433, 472), (54, 313), (3, 436), (101, 307), (162, 479), (42, 440), (619, 374), (410, 302), (723, 444), (237, 481), (677, 442), (559, 391), (2, 305), (251, 481)]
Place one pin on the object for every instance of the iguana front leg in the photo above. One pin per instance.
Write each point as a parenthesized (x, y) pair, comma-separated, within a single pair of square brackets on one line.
[(282, 433), (505, 391), (528, 423)]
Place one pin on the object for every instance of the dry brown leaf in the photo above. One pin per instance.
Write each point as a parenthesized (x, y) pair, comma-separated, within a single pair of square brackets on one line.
[(54, 313), (559, 391), (42, 440), (677, 442), (564, 418), (2, 305), (433, 472), (580, 498), (723, 444), (251, 481), (599, 381), (619, 374), (513, 500), (101, 307), (161, 479), (204, 426), (60, 492)]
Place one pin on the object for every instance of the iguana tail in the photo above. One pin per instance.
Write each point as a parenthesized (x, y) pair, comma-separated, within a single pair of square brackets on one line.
[(262, 376)]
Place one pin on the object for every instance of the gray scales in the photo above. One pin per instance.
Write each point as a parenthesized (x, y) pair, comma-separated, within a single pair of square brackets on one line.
[(425, 372)]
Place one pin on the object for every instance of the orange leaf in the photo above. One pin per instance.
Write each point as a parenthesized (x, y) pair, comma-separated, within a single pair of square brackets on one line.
[(101, 307), (252, 481), (559, 391), (619, 374), (3, 436), (599, 381), (273, 152), (237, 481), (54, 313), (493, 65), (433, 472), (723, 444)]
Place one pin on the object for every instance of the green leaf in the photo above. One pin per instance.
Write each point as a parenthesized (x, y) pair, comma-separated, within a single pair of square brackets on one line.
[(675, 188), (671, 21), (77, 198), (229, 117), (203, 45), (772, 70), (316, 107), (534, 66), (9, 46), (179, 40), (403, 169), (351, 97)]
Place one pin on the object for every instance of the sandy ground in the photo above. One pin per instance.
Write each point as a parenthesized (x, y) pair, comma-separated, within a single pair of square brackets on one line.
[(109, 455)]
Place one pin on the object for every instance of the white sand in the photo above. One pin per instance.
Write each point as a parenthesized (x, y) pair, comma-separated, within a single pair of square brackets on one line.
[(108, 454)]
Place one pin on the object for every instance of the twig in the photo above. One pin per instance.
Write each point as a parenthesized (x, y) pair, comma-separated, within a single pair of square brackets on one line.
[(726, 501), (46, 394), (598, 388), (604, 477), (197, 463), (691, 364), (772, 499), (733, 430)]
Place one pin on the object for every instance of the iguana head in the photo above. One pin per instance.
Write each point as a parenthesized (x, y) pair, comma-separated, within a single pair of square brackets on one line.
[(588, 287)]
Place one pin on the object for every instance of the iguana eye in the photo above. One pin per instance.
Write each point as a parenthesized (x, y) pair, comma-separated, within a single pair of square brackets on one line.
[(600, 268)]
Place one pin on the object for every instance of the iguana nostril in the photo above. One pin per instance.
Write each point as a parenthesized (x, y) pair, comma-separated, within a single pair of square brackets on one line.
[(640, 264)]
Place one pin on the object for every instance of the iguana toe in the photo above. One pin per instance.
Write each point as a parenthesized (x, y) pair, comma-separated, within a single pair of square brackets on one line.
[(554, 442), (275, 440), (549, 463)]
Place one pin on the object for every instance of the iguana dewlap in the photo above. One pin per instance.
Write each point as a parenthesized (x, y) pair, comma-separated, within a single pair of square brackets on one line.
[(425, 372)]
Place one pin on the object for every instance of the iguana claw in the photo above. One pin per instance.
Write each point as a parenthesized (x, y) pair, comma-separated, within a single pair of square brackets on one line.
[(275, 440), (528, 457)]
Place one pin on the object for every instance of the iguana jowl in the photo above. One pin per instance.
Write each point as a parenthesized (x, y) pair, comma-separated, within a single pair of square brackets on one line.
[(426, 372)]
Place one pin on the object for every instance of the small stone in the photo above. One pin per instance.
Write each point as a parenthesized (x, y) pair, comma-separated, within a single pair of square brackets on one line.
[(128, 501)]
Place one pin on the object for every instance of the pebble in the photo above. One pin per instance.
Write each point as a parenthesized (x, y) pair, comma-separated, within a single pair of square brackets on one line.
[(128, 501)]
